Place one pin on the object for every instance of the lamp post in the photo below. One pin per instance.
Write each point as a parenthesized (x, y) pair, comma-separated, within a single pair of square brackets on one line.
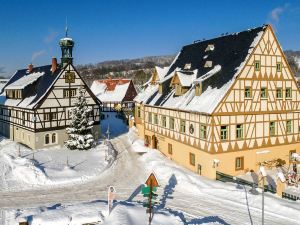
[(263, 174)]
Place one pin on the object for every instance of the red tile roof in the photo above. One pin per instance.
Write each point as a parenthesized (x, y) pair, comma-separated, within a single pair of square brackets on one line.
[(112, 83)]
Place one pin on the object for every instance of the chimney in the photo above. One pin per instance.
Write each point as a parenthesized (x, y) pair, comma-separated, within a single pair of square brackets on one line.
[(54, 65), (30, 68)]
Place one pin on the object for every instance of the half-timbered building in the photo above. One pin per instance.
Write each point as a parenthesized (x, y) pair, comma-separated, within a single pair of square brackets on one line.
[(115, 94), (36, 102), (224, 104)]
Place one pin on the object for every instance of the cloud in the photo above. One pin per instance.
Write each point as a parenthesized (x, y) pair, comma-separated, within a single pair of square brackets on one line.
[(276, 13), (52, 34), (36, 55), (2, 69)]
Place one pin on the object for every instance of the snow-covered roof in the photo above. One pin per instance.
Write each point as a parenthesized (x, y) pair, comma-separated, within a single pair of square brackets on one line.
[(186, 80), (35, 85), (24, 81), (228, 55), (111, 90)]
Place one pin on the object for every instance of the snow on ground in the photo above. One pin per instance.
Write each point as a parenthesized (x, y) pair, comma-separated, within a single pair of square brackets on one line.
[(47, 167), (184, 197)]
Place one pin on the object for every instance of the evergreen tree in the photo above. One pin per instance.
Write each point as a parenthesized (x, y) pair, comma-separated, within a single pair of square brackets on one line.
[(80, 128)]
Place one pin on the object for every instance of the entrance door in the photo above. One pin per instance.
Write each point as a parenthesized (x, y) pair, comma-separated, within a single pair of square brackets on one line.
[(154, 142), (199, 169)]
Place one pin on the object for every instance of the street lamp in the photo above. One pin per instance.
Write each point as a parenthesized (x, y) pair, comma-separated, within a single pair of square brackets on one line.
[(263, 174)]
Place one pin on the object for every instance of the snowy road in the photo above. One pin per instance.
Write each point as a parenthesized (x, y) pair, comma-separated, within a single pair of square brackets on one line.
[(194, 199)]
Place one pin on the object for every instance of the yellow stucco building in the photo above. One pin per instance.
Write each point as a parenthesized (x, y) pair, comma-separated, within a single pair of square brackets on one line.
[(224, 104)]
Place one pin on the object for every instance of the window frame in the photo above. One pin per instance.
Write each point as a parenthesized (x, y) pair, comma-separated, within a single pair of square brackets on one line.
[(246, 91), (288, 90), (182, 126), (150, 117), (239, 132), (271, 127), (47, 139), (280, 67), (263, 93), (171, 123), (203, 131), (164, 121), (170, 149), (47, 116), (257, 62), (222, 130), (289, 126), (155, 118), (239, 159), (277, 92), (192, 159)]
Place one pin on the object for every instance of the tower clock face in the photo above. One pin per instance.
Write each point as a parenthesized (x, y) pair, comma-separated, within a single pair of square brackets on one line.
[(70, 77)]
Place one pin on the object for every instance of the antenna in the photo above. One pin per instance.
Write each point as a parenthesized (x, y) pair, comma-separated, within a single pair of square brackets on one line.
[(66, 27)]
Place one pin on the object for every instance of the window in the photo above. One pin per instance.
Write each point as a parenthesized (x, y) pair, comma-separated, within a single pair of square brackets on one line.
[(257, 65), (164, 121), (155, 119), (138, 111), (160, 89), (54, 116), (149, 117), (263, 93), (278, 67), (170, 149), (239, 131), (198, 89), (182, 126), (224, 132), (279, 93), (272, 128), (289, 126), (239, 163), (178, 89), (46, 116), (69, 93), (203, 131), (192, 159), (288, 93), (171, 123), (47, 139), (247, 92), (54, 138)]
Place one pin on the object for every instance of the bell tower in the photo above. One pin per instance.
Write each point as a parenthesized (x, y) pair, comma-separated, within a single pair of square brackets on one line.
[(66, 45)]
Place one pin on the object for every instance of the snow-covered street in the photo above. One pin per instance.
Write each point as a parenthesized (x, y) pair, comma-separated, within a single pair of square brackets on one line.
[(185, 198)]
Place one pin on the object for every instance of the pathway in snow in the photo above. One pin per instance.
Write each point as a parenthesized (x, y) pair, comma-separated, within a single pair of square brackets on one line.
[(194, 199)]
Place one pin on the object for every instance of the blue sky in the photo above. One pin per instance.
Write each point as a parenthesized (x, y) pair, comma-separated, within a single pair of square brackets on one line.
[(111, 29)]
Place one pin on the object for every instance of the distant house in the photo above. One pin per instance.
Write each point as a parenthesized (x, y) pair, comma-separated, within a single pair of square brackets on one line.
[(115, 94), (36, 102)]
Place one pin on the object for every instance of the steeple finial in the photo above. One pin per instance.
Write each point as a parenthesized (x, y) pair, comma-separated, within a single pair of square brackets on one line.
[(66, 27)]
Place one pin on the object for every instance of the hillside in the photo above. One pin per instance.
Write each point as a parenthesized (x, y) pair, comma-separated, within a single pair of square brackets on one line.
[(140, 69)]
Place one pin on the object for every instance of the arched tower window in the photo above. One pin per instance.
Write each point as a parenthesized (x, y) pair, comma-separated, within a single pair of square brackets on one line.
[(54, 138), (47, 139)]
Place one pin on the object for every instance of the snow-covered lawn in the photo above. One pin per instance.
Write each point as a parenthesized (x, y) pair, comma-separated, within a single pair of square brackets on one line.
[(22, 168), (185, 197)]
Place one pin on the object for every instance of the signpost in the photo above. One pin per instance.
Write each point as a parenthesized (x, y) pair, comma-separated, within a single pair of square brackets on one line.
[(110, 198), (149, 192)]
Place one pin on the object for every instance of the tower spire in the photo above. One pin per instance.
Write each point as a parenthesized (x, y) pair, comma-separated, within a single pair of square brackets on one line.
[(66, 27)]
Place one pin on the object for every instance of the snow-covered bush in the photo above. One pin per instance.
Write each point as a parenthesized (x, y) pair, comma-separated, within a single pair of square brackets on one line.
[(80, 128)]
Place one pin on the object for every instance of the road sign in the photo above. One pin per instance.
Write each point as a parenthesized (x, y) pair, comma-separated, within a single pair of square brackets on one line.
[(152, 181), (146, 190)]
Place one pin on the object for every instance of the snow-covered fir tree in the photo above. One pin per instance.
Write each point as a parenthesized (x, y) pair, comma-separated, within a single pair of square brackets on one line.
[(80, 129)]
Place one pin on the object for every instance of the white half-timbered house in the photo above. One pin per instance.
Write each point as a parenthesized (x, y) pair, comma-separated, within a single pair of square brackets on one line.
[(35, 103)]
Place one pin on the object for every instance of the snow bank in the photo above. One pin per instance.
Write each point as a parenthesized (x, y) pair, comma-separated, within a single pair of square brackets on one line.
[(47, 167)]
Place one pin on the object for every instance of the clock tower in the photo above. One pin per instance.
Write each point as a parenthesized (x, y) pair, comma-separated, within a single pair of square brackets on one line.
[(66, 45)]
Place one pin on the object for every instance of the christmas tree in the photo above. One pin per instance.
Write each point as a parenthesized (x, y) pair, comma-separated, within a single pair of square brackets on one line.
[(80, 128)]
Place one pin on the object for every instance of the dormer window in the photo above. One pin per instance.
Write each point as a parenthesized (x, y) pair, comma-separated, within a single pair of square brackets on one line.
[(177, 89), (160, 89), (14, 94), (210, 47), (187, 66), (198, 89), (208, 64)]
